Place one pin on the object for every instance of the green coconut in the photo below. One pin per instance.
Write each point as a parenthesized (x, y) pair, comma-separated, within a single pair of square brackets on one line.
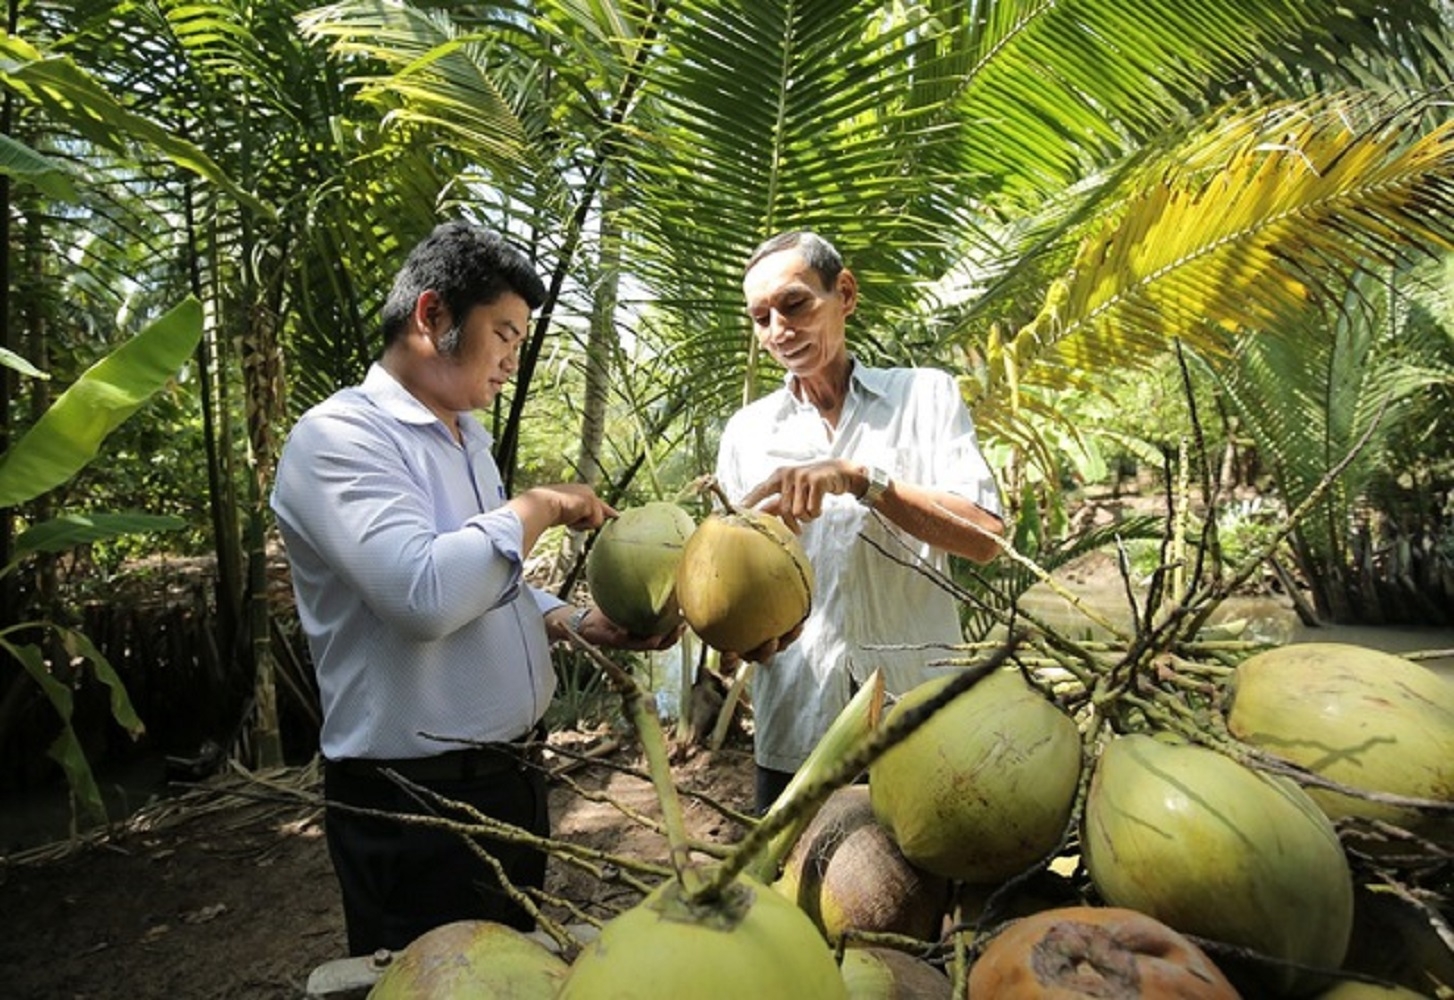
[(743, 579), (1217, 850), (1366, 719), (752, 943), (984, 788), (472, 958), (885, 974), (846, 872), (632, 568)]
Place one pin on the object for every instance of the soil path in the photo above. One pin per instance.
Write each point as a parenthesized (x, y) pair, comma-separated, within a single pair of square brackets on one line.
[(227, 892)]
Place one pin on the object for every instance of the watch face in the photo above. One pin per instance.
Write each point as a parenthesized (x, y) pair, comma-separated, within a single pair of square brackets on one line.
[(878, 481)]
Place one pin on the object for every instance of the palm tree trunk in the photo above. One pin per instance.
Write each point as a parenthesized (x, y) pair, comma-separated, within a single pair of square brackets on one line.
[(262, 366), (9, 592), (217, 433), (600, 344)]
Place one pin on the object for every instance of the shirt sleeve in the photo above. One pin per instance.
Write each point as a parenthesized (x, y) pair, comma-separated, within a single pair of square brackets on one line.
[(345, 491)]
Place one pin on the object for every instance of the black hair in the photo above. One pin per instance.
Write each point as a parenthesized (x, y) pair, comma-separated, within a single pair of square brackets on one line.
[(468, 266), (823, 257)]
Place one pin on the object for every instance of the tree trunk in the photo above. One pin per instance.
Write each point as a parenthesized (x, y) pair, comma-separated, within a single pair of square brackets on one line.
[(600, 344), (262, 367)]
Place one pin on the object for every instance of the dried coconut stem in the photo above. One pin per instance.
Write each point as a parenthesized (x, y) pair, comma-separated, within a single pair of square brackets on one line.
[(641, 710)]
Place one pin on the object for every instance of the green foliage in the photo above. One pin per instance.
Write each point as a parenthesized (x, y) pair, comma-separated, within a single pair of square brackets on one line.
[(67, 436)]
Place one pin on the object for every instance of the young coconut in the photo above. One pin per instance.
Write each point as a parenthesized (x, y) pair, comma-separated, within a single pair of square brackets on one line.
[(705, 936), (985, 788), (1363, 718), (749, 943), (1085, 951), (743, 579), (1214, 849), (632, 568), (472, 958), (885, 974), (847, 873)]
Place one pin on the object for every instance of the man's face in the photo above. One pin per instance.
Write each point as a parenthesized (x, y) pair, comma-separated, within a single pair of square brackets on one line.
[(484, 354), (797, 320)]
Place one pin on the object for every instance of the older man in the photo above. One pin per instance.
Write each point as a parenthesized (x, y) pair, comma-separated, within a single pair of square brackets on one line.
[(838, 443)]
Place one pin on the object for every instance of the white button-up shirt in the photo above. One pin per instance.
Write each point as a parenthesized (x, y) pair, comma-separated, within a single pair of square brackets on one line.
[(912, 424), (407, 572)]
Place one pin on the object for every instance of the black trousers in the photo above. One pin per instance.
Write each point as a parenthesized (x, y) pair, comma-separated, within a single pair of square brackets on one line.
[(769, 785), (398, 879)]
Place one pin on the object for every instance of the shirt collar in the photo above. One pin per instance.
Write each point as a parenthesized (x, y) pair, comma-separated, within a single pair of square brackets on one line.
[(389, 395), (873, 381)]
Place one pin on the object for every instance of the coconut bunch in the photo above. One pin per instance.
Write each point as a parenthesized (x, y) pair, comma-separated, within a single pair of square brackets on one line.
[(739, 577), (1213, 818), (1257, 801), (753, 923)]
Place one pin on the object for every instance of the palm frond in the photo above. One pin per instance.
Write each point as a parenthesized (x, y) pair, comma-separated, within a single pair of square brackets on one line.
[(1259, 221)]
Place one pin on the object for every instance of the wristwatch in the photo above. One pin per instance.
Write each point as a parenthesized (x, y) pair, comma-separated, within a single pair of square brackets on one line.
[(578, 618), (878, 482)]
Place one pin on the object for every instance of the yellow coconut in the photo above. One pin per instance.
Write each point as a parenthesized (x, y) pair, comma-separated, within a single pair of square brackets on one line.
[(751, 944), (1217, 850), (632, 568), (743, 579), (984, 789), (846, 872), (1366, 719), (885, 974), (472, 958)]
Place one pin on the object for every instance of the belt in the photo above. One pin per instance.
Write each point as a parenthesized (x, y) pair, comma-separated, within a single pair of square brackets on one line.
[(452, 765)]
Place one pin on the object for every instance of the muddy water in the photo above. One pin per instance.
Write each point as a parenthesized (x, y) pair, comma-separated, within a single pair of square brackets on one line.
[(1263, 619)]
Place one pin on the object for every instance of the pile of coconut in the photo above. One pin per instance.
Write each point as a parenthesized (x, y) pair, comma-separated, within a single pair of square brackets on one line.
[(1043, 821)]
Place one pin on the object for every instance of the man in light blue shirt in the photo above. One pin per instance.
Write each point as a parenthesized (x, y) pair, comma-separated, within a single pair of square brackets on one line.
[(849, 455), (432, 653)]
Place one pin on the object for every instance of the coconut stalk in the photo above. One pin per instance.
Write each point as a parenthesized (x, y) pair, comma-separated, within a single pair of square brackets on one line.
[(641, 710), (836, 773), (859, 718)]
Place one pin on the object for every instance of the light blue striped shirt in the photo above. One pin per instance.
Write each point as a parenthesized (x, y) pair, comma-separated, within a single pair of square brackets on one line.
[(407, 573)]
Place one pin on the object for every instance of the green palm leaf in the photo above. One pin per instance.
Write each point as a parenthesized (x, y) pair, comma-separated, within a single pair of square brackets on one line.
[(1262, 217), (69, 434)]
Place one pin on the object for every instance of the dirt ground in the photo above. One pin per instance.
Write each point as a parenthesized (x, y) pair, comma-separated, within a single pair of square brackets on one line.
[(226, 890)]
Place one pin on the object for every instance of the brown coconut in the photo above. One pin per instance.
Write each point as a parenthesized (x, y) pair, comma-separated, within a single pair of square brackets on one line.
[(1084, 952), (847, 873)]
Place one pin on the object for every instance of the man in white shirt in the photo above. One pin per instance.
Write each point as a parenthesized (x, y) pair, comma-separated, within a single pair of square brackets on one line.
[(841, 440), (432, 654)]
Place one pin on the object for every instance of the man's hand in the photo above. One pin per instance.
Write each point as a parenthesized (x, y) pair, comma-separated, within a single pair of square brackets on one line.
[(762, 653), (795, 492), (601, 631), (574, 505)]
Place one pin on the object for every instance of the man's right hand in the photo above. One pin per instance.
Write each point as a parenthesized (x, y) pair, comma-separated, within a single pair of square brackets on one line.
[(574, 505)]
